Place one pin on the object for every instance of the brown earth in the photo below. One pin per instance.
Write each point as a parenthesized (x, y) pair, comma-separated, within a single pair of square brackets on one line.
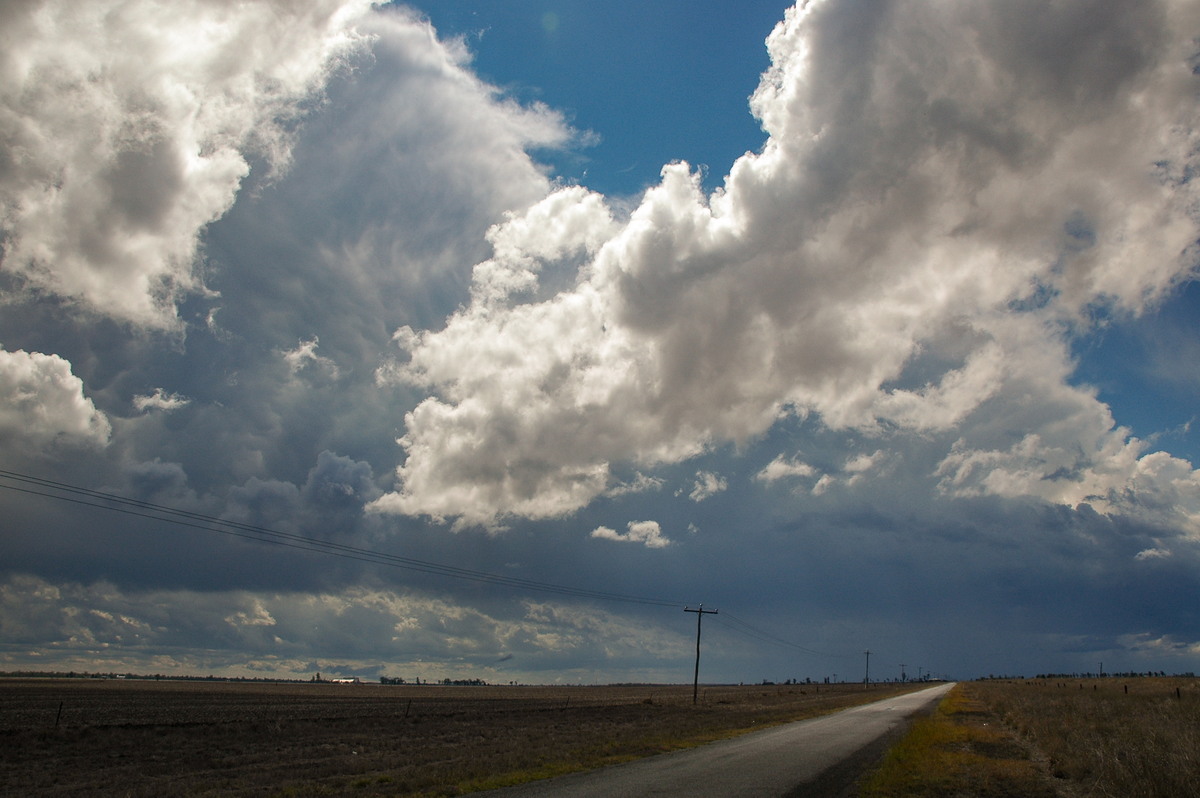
[(153, 738)]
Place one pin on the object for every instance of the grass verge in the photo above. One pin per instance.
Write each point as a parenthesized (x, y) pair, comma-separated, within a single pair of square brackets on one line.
[(963, 748)]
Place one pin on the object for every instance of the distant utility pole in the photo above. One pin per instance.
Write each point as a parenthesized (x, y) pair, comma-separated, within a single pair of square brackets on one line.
[(867, 677), (903, 675), (700, 613)]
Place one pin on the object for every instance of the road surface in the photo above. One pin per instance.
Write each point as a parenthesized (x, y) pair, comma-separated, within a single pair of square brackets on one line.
[(817, 757)]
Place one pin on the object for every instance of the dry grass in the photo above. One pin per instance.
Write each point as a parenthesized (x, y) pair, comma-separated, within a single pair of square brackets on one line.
[(960, 750), (1108, 738), (1132, 738), (184, 738)]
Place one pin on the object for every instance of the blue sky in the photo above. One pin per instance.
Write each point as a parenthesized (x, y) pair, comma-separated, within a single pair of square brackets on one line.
[(870, 325), (655, 82)]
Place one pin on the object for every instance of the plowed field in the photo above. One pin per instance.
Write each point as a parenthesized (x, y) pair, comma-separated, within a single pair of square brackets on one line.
[(153, 738)]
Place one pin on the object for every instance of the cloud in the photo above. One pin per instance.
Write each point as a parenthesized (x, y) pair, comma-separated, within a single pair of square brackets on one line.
[(883, 316), (707, 484), (782, 468), (396, 176), (339, 483), (853, 471), (398, 159), (924, 215), (161, 483), (1159, 646), (648, 533), (110, 177), (257, 615), (159, 400), (101, 626), (641, 483), (305, 356), (1065, 447), (584, 626), (42, 403)]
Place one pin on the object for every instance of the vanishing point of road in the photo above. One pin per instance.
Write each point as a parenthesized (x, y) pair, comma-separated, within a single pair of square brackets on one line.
[(817, 758)]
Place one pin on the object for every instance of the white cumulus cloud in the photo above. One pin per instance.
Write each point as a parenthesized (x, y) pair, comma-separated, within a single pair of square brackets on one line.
[(42, 402), (648, 533), (130, 126), (707, 484), (783, 467), (951, 184)]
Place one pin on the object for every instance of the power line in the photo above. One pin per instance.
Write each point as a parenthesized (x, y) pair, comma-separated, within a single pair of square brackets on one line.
[(74, 494), (735, 624)]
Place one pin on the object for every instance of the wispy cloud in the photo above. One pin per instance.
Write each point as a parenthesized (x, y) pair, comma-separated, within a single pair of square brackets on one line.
[(707, 484), (305, 356), (159, 400)]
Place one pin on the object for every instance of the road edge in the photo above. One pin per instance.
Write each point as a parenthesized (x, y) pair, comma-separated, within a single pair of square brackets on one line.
[(844, 779)]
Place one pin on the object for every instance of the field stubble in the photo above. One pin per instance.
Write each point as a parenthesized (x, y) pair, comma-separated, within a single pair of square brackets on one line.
[(1132, 738), (1114, 737), (151, 738)]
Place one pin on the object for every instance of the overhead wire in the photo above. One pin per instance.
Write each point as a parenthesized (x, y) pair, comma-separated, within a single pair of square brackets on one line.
[(62, 491), (74, 494), (745, 628)]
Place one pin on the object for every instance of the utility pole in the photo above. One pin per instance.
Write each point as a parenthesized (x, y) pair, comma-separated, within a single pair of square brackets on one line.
[(700, 613), (867, 677), (903, 675)]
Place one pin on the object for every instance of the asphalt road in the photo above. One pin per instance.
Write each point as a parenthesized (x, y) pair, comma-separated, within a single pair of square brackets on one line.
[(812, 758)]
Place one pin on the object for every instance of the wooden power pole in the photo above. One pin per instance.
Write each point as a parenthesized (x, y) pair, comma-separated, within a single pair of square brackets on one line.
[(700, 613)]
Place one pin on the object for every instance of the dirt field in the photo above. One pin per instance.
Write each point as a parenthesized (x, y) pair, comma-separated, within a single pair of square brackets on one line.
[(148, 738)]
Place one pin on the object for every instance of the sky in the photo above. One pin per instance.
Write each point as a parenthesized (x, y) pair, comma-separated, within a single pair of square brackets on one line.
[(482, 340)]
